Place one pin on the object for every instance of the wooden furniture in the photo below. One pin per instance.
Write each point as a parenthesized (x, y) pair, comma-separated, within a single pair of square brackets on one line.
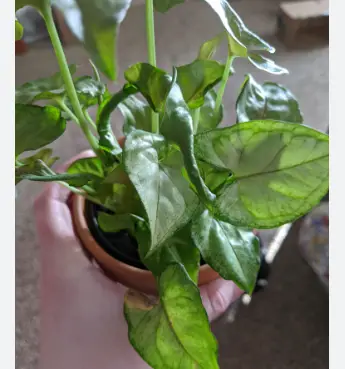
[(297, 21)]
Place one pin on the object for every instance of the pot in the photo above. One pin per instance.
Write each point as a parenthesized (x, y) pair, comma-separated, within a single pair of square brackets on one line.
[(110, 251)]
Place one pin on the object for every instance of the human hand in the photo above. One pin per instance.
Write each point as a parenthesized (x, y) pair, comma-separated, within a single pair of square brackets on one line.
[(82, 322)]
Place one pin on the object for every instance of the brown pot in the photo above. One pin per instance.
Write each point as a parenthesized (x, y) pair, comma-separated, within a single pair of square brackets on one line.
[(138, 279)]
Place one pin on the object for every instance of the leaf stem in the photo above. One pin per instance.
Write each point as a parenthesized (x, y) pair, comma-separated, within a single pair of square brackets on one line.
[(151, 49), (90, 120), (65, 73), (66, 109), (196, 118), (224, 80)]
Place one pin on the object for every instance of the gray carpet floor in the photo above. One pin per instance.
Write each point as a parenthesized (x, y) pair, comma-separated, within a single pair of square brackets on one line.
[(286, 326)]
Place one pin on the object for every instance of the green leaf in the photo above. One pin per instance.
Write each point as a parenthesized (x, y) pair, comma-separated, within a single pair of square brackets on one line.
[(208, 48), (174, 333), (177, 126), (107, 141), (115, 222), (163, 6), (153, 83), (89, 90), (197, 78), (96, 23), (232, 252), (19, 31), (76, 180), (242, 40), (31, 164), (280, 171), (155, 172), (38, 4), (179, 248), (43, 88), (137, 115), (209, 117), (266, 64), (214, 177), (87, 165), (37, 126), (269, 101)]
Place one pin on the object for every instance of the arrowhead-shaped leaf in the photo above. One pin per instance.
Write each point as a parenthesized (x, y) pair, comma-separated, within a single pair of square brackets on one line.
[(173, 333), (279, 171), (232, 252), (155, 171), (267, 101)]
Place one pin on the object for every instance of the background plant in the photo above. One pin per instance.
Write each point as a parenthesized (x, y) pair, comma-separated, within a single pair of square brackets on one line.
[(185, 189)]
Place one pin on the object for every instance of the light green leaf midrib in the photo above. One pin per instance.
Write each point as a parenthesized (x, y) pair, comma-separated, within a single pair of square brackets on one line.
[(238, 261), (235, 177), (177, 338)]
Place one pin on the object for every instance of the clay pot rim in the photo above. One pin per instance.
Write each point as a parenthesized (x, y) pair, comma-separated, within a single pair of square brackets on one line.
[(102, 257)]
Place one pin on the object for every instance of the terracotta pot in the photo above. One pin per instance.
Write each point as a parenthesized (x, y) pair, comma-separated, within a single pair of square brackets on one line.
[(138, 279)]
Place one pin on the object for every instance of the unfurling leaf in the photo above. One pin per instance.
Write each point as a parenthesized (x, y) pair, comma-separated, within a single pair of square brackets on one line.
[(177, 126), (37, 126), (208, 48), (153, 83), (232, 252), (279, 171), (269, 101), (173, 333), (155, 172), (197, 78)]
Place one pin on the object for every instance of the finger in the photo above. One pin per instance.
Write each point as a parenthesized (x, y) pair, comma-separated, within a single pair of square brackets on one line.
[(56, 192), (59, 244), (218, 295), (84, 154)]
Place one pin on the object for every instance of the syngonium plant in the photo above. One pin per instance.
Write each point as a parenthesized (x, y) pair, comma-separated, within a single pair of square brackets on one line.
[(183, 187)]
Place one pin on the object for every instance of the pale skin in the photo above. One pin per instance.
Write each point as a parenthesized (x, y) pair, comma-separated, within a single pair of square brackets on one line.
[(82, 324)]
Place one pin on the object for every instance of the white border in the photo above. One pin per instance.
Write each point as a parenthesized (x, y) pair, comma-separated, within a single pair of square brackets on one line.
[(337, 185), (7, 199)]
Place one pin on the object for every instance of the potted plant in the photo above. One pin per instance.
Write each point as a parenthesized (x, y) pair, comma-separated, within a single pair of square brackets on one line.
[(172, 204)]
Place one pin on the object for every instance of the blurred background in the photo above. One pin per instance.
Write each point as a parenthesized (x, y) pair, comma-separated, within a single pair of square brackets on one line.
[(286, 324)]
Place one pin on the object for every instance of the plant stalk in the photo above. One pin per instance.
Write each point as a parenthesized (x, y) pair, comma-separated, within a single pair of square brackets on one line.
[(66, 75), (151, 49), (224, 80), (66, 109)]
